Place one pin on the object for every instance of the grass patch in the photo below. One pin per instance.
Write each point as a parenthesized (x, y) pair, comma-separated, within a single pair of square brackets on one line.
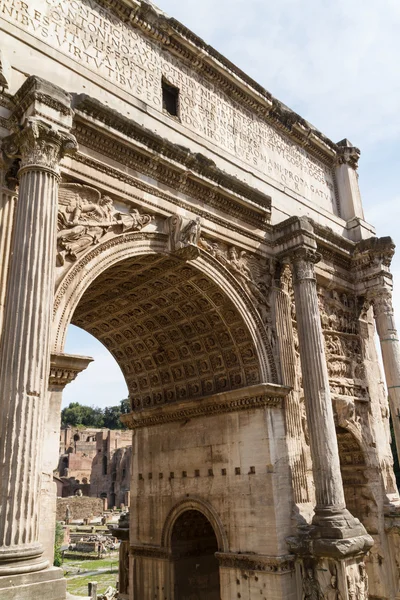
[(70, 566), (79, 585)]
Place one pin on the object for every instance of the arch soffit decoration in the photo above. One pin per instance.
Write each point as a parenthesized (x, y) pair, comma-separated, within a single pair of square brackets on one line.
[(206, 509), (110, 253)]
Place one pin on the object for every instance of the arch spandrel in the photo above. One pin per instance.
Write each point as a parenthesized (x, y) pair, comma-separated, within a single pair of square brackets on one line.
[(178, 329)]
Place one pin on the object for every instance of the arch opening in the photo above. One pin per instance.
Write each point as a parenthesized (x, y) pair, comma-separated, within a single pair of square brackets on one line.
[(172, 330), (196, 568)]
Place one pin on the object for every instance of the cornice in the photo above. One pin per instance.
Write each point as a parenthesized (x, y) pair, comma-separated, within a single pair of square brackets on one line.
[(178, 167), (64, 368), (97, 167), (256, 562), (203, 58), (259, 396)]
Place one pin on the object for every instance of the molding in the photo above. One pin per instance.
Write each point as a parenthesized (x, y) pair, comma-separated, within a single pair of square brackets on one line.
[(196, 175), (175, 200), (250, 398), (147, 551), (64, 368), (199, 505), (277, 565)]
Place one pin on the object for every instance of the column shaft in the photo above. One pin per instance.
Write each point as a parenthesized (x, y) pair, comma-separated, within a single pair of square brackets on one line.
[(390, 346), (25, 351), (322, 433), (25, 361)]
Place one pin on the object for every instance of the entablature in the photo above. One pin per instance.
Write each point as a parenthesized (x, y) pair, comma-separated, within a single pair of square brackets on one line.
[(104, 130)]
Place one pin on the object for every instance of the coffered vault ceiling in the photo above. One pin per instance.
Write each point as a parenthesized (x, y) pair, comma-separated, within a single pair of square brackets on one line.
[(173, 332)]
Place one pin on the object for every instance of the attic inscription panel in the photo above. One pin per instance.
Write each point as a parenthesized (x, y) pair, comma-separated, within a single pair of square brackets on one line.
[(97, 40)]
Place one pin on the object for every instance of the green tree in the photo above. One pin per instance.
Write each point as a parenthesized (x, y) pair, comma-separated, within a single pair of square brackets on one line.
[(112, 417), (77, 414), (125, 406), (58, 540)]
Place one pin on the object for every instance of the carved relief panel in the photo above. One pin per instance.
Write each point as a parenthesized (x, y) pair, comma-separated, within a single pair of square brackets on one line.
[(85, 217), (339, 318)]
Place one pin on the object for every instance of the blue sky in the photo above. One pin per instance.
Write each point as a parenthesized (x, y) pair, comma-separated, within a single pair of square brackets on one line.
[(336, 64)]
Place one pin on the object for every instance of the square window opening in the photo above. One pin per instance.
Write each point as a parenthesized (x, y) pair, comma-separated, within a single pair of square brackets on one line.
[(170, 97)]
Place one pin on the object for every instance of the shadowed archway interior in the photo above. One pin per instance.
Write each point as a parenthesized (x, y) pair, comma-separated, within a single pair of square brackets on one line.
[(196, 568), (174, 333)]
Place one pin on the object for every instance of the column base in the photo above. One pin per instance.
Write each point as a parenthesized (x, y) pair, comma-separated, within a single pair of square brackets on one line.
[(46, 585), (336, 524), (332, 534), (17, 560)]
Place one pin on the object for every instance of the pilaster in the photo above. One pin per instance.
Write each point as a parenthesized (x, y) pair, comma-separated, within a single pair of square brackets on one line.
[(64, 368), (351, 209), (39, 143)]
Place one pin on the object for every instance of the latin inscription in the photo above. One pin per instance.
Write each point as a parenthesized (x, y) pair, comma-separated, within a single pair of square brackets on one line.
[(98, 40)]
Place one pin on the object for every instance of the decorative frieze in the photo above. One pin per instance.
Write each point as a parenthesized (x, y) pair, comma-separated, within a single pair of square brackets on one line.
[(196, 176), (200, 408)]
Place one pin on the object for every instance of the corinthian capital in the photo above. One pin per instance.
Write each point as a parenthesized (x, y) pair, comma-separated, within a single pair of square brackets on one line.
[(303, 261), (381, 301), (39, 145)]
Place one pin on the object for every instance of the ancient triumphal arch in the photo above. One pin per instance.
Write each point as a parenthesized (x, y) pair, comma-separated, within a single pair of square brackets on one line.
[(214, 242)]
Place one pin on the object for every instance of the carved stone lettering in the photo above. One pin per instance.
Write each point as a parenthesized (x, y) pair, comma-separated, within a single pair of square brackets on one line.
[(115, 51)]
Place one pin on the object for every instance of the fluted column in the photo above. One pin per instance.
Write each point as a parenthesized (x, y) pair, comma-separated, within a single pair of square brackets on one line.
[(331, 515), (25, 351), (381, 299), (7, 206)]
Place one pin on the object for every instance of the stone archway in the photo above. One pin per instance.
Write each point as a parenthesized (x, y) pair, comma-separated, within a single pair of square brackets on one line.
[(193, 548), (182, 321)]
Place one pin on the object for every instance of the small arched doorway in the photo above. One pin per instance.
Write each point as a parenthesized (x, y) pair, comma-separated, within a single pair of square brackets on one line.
[(196, 568)]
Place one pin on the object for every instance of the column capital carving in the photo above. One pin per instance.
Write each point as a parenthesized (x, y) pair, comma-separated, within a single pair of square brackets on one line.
[(303, 260), (381, 300), (39, 145)]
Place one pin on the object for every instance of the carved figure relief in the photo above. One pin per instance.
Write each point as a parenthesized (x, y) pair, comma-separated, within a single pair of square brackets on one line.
[(311, 587), (85, 217), (332, 592), (191, 232), (357, 583), (339, 318), (255, 278)]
